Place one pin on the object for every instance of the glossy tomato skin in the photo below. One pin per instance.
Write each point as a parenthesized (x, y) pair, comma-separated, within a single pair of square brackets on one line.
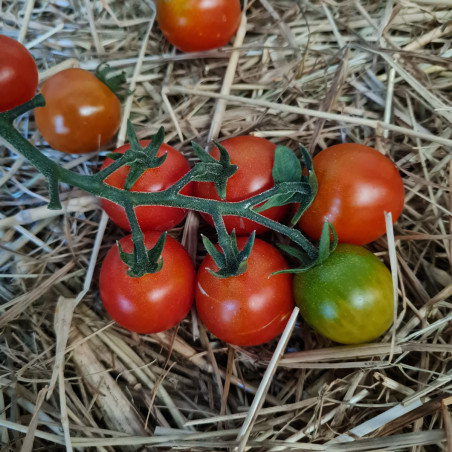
[(81, 113), (254, 159), (348, 298), (357, 184), (196, 25), (18, 74), (157, 218), (251, 308), (153, 302)]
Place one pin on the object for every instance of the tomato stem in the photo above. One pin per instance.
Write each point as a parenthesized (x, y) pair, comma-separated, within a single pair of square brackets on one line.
[(110, 169), (231, 262), (115, 83), (290, 187), (141, 261), (11, 115)]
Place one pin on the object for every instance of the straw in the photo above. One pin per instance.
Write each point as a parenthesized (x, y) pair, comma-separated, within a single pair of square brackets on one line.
[(315, 73)]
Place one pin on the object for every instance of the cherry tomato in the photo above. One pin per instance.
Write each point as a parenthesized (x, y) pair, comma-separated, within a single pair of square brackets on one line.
[(251, 308), (153, 302), (18, 74), (357, 184), (194, 25), (348, 298), (254, 159), (81, 113), (157, 218)]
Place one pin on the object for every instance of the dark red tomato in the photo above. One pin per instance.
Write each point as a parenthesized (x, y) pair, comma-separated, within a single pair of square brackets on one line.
[(152, 180), (254, 159), (251, 308), (194, 25), (18, 74), (357, 184), (81, 113), (153, 302), (348, 298)]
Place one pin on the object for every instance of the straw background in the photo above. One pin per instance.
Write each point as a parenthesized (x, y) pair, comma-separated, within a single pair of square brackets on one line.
[(308, 71)]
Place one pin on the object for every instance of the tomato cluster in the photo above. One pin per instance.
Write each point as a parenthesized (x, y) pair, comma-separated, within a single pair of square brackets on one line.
[(247, 309), (347, 297)]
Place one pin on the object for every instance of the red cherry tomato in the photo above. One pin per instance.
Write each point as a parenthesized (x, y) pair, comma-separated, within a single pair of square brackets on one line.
[(153, 302), (194, 25), (81, 113), (157, 218), (251, 308), (18, 74), (254, 159), (348, 298), (357, 184)]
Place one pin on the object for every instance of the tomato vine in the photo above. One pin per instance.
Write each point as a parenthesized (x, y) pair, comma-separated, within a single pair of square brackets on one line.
[(291, 185)]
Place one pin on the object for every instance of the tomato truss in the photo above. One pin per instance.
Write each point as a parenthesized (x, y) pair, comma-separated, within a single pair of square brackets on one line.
[(291, 186)]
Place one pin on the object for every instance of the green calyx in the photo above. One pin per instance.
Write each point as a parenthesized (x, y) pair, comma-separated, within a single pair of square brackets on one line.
[(142, 261), (291, 185), (114, 82), (211, 170), (230, 262), (137, 158), (327, 244)]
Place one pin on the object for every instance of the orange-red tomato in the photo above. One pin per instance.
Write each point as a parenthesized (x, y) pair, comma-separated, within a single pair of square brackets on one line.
[(194, 25), (254, 159), (18, 74), (251, 308), (159, 218), (154, 302), (81, 113), (357, 184)]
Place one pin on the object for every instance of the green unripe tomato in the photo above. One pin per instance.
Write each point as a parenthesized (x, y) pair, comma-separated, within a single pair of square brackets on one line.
[(349, 298)]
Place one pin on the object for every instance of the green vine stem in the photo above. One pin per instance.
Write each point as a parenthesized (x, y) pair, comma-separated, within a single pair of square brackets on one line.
[(291, 186)]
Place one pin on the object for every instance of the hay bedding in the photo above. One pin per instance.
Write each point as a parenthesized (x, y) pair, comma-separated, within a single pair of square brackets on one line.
[(313, 72)]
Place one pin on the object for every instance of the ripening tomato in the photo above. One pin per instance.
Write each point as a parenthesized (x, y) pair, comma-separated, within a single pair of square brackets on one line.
[(254, 159), (357, 184), (159, 218), (195, 25), (251, 308), (348, 298), (18, 74), (81, 113), (154, 302)]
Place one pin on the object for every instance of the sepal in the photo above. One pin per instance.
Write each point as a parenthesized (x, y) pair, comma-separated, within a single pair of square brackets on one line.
[(327, 244), (212, 170), (142, 263), (230, 261)]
